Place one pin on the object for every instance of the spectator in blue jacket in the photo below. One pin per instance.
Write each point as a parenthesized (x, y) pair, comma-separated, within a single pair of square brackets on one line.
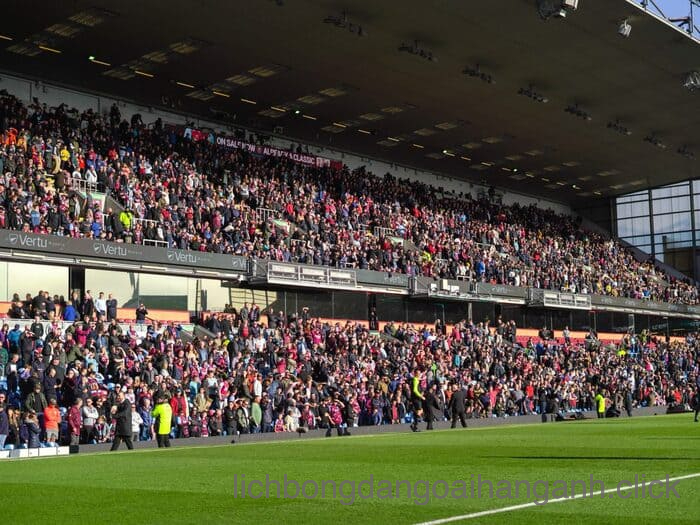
[(13, 338), (69, 313), (147, 426)]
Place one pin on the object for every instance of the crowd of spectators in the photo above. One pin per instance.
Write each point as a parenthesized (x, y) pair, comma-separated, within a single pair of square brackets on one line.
[(88, 308), (192, 194), (266, 371)]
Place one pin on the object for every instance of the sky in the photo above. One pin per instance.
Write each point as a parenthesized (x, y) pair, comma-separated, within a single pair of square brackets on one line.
[(676, 9)]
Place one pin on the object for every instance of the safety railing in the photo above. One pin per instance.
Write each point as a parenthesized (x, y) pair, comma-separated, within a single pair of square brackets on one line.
[(299, 275), (83, 185)]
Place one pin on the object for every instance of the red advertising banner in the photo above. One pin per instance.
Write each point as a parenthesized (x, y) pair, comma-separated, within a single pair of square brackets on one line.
[(197, 135), (269, 151)]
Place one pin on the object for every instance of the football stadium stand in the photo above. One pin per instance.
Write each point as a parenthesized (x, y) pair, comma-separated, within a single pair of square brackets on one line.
[(256, 286)]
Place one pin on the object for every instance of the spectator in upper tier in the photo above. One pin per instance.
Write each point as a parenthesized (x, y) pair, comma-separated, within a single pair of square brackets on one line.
[(101, 305), (194, 195), (69, 313), (141, 314), (111, 308)]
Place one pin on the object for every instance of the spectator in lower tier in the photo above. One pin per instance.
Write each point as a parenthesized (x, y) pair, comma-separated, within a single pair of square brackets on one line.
[(32, 430), (4, 426), (75, 421), (90, 415), (52, 421), (147, 420), (136, 422)]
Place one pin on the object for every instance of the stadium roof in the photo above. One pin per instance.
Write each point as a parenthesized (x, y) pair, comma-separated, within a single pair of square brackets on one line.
[(361, 94)]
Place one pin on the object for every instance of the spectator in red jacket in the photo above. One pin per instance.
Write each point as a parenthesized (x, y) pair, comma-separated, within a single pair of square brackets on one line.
[(180, 413), (52, 420)]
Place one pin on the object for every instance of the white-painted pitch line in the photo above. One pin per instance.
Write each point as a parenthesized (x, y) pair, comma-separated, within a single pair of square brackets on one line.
[(533, 504)]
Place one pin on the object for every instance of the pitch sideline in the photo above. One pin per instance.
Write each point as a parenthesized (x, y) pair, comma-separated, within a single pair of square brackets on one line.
[(529, 504)]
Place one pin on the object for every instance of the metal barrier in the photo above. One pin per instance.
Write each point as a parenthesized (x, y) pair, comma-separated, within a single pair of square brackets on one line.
[(145, 223), (300, 275), (247, 213), (566, 300), (265, 214), (380, 231), (155, 242), (83, 186), (296, 242)]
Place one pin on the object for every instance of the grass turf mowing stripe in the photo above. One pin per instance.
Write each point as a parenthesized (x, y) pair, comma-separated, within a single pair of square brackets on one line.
[(483, 513), (131, 487)]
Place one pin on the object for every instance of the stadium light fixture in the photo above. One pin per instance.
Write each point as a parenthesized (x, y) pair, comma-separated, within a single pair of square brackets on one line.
[(29, 255), (683, 150), (624, 29), (555, 8), (617, 126), (578, 112), (342, 22), (248, 101), (94, 262), (531, 93), (153, 268), (654, 140), (475, 72), (50, 49), (691, 81), (94, 60), (415, 49)]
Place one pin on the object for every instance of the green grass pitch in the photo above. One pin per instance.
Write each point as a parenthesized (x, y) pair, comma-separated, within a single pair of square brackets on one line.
[(196, 484)]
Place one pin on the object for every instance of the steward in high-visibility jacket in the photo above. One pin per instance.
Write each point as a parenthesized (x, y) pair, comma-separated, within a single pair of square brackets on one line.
[(163, 414)]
